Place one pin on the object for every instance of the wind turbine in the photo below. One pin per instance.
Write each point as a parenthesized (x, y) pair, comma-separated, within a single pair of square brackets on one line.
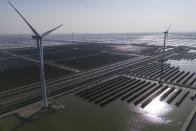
[(72, 37), (38, 39), (163, 52)]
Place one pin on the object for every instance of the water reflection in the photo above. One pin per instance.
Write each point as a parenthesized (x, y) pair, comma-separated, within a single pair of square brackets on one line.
[(192, 51), (157, 110), (157, 107), (187, 65)]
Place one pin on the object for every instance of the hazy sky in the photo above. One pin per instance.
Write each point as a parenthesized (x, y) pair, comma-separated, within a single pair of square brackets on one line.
[(99, 16)]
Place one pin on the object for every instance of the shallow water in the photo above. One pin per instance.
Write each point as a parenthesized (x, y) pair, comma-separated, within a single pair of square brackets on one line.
[(187, 65), (79, 115), (192, 51)]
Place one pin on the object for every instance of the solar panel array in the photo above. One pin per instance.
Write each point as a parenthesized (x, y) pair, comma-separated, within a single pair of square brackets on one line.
[(14, 63), (170, 74), (135, 91), (4, 56)]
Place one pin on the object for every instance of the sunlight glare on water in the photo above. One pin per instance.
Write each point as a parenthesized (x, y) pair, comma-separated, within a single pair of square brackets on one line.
[(157, 109), (187, 65)]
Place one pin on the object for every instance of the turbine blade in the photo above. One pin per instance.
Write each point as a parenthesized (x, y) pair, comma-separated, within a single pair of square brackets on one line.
[(169, 28), (48, 32), (34, 31)]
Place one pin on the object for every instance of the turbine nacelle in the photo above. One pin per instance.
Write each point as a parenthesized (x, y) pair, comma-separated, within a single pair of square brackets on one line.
[(167, 31), (36, 37)]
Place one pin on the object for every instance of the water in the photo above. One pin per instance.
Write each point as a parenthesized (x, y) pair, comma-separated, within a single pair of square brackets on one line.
[(186, 65), (79, 115), (175, 39)]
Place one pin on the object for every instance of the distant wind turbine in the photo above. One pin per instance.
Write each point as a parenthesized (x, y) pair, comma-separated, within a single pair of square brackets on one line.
[(163, 50), (39, 38), (72, 37)]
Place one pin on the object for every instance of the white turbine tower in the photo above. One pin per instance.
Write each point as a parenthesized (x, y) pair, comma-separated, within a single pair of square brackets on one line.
[(163, 50), (39, 38)]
